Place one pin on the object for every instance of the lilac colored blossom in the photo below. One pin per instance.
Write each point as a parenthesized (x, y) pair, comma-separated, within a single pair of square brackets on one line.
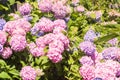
[(113, 41), (55, 57), (1, 48), (90, 35), (25, 9), (98, 78), (59, 10), (98, 14), (63, 38), (45, 5), (88, 48), (80, 8), (3, 37), (60, 23), (111, 53), (7, 52), (28, 73), (45, 25), (87, 72), (18, 42), (19, 31), (15, 16), (86, 60), (40, 33), (28, 17), (57, 44), (58, 30), (37, 51), (2, 23), (67, 19), (34, 29)]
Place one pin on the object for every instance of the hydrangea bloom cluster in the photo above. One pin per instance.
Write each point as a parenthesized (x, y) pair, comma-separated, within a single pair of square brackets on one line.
[(111, 53), (28, 73), (59, 10), (2, 23), (57, 7), (25, 9), (88, 48), (45, 5), (107, 69), (5, 52), (90, 35), (46, 25), (17, 30), (56, 42)]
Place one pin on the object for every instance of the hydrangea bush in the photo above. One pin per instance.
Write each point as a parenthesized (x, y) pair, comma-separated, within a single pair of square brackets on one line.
[(59, 40)]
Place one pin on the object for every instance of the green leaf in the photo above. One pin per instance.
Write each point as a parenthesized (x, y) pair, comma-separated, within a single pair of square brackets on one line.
[(5, 75), (44, 59), (14, 72), (11, 2), (2, 62), (3, 7), (106, 38)]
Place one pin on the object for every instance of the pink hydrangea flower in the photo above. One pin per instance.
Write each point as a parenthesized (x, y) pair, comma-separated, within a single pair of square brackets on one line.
[(45, 25), (18, 42), (80, 8), (39, 42), (28, 73), (60, 23), (37, 52), (57, 44), (45, 5), (7, 52), (55, 57), (19, 31), (59, 10), (9, 27), (3, 37), (31, 45), (87, 72), (24, 24), (25, 9), (58, 30), (48, 38), (86, 60), (62, 38), (107, 70)]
